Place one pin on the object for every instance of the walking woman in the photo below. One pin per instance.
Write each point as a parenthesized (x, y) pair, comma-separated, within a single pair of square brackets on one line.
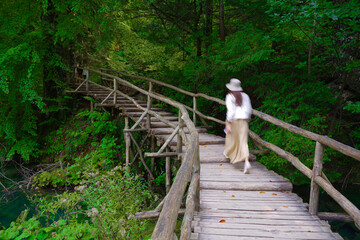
[(238, 114)]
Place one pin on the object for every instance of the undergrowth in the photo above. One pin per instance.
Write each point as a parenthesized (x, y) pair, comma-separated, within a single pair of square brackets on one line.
[(88, 151)]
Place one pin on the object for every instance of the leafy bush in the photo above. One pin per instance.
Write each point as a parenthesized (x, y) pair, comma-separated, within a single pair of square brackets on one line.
[(92, 139), (99, 209)]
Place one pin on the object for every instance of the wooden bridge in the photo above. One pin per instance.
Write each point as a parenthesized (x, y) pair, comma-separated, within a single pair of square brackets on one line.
[(221, 201)]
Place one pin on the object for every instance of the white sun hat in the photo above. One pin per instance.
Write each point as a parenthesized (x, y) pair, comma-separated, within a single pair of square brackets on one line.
[(234, 85)]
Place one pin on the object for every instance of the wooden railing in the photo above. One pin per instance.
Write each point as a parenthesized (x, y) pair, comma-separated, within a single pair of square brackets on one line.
[(316, 175), (190, 167), (189, 170)]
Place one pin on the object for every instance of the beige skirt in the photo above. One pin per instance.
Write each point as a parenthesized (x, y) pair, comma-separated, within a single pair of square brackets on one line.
[(236, 142)]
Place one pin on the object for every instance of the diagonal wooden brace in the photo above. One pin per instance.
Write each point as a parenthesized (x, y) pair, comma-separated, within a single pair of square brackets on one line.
[(169, 139), (113, 91), (80, 85), (140, 119)]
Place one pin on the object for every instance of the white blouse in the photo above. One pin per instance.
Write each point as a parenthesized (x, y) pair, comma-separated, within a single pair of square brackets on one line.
[(238, 112)]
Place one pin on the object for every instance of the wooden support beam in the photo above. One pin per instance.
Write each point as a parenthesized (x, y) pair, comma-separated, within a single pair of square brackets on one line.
[(192, 198), (107, 97), (107, 105), (168, 171), (136, 130), (115, 90), (179, 137), (140, 119), (152, 214), (340, 217), (348, 206), (152, 148), (317, 170), (141, 146), (80, 86), (168, 140), (127, 142), (194, 112), (164, 154), (151, 175), (161, 204), (149, 100)]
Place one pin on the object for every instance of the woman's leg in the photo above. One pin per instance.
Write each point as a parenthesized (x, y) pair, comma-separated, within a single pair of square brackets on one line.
[(247, 166)]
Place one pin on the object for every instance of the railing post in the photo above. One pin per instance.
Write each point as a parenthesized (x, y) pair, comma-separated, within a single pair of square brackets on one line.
[(194, 108), (87, 83), (101, 78), (196, 170), (148, 118), (168, 171), (91, 110), (179, 138), (317, 170), (127, 141), (115, 89), (152, 150)]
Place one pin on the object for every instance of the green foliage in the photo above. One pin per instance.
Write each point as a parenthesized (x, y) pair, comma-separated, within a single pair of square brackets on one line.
[(99, 209), (353, 107), (90, 139), (39, 42)]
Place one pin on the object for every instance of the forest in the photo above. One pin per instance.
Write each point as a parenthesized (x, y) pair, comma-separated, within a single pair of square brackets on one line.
[(298, 61)]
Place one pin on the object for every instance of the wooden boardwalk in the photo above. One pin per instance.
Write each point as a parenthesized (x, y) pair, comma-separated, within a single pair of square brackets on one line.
[(233, 205)]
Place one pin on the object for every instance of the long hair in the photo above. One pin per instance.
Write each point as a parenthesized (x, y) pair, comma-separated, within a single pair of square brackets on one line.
[(238, 97)]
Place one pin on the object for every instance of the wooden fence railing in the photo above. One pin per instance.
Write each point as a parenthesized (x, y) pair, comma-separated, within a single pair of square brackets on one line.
[(190, 167), (189, 170), (316, 175)]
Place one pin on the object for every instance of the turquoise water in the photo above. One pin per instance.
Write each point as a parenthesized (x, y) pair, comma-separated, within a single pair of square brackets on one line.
[(12, 205)]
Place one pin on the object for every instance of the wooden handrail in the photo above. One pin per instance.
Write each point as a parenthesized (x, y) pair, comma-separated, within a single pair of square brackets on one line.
[(165, 226), (318, 179), (345, 149)]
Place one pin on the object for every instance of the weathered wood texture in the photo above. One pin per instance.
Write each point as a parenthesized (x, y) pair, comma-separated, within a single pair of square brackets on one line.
[(262, 191), (317, 169), (347, 150), (164, 228)]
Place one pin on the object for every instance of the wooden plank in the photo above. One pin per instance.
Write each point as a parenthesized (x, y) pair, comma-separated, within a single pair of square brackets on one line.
[(249, 186), (277, 222), (164, 154), (264, 233), (138, 114), (242, 200), (204, 138), (303, 215), (205, 236), (168, 131), (289, 228), (220, 193), (254, 206), (243, 177)]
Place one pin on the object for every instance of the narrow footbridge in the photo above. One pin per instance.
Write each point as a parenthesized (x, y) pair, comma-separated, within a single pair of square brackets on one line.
[(221, 202)]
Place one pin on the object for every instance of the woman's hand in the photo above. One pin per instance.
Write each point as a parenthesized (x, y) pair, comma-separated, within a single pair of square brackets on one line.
[(228, 127)]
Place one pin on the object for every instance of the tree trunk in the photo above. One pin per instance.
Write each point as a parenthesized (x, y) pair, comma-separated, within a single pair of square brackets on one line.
[(221, 21), (196, 28), (208, 24)]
